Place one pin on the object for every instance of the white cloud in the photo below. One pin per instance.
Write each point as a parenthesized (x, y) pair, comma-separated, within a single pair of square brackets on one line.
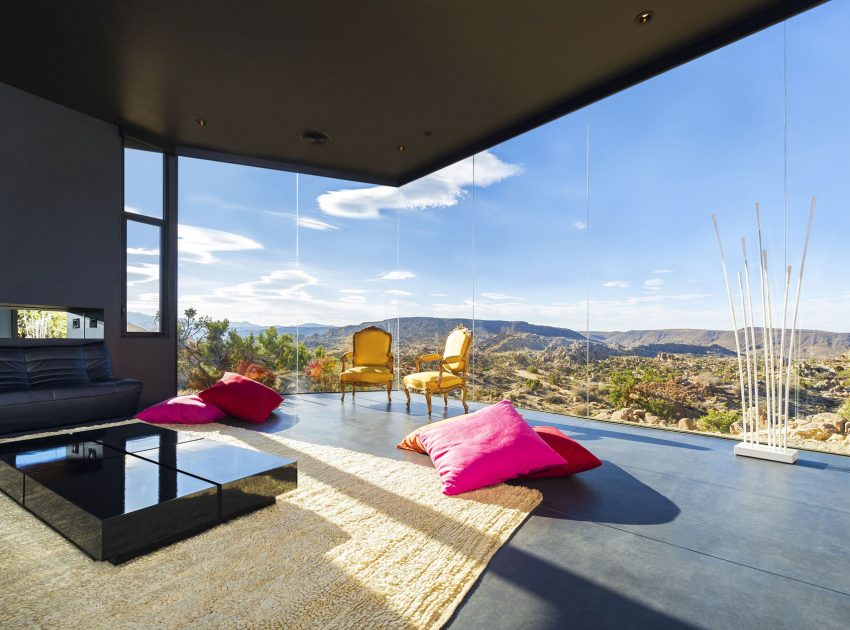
[(353, 299), (146, 272), (354, 291), (499, 296), (142, 251), (443, 188), (663, 271), (619, 284), (653, 282), (197, 244), (398, 275), (397, 292), (439, 295), (580, 225), (143, 303), (315, 224)]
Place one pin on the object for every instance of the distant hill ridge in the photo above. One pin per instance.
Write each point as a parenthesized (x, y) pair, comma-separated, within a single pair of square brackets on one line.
[(503, 335)]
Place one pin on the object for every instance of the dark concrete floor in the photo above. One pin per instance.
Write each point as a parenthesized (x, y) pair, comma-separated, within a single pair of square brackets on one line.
[(673, 531)]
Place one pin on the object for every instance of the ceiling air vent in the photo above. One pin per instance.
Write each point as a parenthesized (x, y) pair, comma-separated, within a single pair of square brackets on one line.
[(313, 136)]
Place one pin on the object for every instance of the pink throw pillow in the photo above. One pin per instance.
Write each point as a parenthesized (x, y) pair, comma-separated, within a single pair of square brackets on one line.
[(491, 446), (579, 459), (242, 398), (182, 410)]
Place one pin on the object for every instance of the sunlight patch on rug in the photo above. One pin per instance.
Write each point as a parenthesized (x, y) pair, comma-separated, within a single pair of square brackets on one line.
[(364, 542)]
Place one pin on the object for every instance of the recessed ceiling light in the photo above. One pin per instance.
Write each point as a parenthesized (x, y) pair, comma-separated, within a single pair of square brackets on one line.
[(401, 147), (644, 17), (314, 136), (201, 122)]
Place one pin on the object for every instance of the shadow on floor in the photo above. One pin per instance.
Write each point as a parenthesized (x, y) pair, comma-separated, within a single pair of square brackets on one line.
[(593, 433), (808, 463), (604, 495), (552, 597), (278, 421)]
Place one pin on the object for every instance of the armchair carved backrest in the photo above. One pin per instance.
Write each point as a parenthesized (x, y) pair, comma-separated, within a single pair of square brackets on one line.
[(372, 346), (456, 352)]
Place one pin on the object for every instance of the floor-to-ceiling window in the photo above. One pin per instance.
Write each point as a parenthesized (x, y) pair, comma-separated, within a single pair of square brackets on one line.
[(237, 275), (582, 254)]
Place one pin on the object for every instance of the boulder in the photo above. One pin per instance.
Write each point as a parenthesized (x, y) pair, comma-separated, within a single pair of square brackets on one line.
[(687, 424), (813, 431), (652, 419), (603, 415), (626, 414), (736, 428), (837, 422)]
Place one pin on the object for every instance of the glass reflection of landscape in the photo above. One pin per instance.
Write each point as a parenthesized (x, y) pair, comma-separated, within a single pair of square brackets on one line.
[(581, 252)]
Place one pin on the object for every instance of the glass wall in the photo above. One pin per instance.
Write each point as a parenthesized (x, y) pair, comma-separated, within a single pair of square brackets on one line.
[(238, 277), (582, 254)]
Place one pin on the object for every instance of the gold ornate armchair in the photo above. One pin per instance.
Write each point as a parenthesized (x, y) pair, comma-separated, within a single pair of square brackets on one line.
[(450, 373), (371, 361)]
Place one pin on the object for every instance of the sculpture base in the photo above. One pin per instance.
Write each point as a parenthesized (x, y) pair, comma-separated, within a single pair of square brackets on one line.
[(762, 451)]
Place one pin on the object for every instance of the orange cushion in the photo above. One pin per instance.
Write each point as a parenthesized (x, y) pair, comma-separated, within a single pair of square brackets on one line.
[(411, 441)]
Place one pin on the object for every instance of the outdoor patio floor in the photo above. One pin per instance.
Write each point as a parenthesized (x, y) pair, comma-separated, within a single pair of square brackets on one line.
[(673, 531)]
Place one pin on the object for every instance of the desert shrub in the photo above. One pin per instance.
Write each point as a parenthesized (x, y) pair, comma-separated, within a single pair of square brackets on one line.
[(554, 378), (707, 379), (621, 384), (323, 372), (718, 421), (532, 384), (844, 410)]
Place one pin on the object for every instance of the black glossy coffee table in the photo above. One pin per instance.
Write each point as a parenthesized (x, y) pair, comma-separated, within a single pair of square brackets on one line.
[(123, 491)]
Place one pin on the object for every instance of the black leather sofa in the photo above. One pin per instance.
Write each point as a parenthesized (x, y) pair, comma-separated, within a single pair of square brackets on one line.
[(52, 384)]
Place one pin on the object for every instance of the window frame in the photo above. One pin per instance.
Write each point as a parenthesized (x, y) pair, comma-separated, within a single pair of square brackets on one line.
[(167, 226)]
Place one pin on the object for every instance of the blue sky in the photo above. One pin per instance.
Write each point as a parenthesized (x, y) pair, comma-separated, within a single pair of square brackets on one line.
[(519, 239)]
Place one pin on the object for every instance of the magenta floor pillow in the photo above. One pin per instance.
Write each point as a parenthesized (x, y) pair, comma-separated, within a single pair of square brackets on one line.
[(242, 398), (182, 410), (491, 446), (578, 458)]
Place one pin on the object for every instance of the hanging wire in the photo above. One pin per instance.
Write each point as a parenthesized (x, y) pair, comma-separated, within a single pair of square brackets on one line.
[(474, 351), (297, 267), (398, 286), (587, 261)]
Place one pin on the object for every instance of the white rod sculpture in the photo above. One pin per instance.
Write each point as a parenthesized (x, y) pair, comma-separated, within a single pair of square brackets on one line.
[(778, 361)]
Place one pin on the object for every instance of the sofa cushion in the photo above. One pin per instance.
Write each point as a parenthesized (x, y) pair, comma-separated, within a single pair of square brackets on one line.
[(98, 364), (13, 370), (25, 397), (51, 366)]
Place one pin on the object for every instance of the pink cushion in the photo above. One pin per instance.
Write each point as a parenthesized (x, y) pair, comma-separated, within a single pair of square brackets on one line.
[(242, 398), (490, 446), (578, 458), (182, 410)]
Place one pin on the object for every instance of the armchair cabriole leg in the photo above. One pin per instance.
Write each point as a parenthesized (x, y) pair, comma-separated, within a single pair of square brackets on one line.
[(428, 400), (446, 399), (342, 390), (389, 389), (407, 393), (463, 399)]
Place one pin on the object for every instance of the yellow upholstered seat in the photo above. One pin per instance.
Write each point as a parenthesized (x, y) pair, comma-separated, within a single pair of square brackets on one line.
[(372, 361), (450, 373), (366, 374), (422, 380)]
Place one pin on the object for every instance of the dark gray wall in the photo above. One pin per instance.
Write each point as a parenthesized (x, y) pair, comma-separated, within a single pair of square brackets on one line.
[(61, 199)]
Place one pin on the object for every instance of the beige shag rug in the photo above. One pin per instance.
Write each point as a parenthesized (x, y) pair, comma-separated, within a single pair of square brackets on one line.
[(364, 542)]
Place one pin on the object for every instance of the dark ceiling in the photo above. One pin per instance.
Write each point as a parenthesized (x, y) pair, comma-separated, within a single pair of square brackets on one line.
[(443, 78)]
